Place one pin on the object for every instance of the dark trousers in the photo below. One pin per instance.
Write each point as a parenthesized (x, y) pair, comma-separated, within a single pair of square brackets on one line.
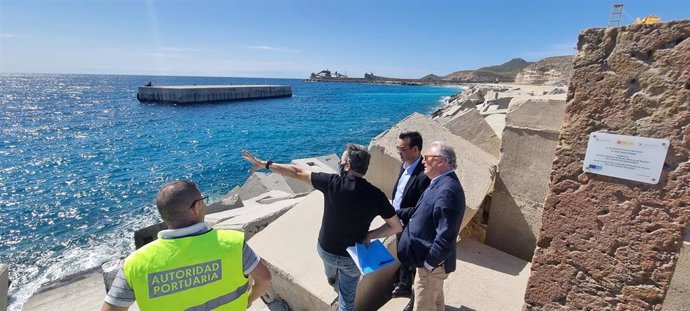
[(405, 274)]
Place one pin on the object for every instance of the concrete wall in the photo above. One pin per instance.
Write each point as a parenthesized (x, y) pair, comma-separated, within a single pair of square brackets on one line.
[(473, 163), (209, 93), (608, 243), (4, 286), (678, 296), (527, 152)]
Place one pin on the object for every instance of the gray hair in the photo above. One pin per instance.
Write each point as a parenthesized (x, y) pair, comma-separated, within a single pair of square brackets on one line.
[(445, 150), (359, 157)]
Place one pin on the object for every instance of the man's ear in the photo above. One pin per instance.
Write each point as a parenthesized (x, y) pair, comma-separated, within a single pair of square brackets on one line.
[(197, 209)]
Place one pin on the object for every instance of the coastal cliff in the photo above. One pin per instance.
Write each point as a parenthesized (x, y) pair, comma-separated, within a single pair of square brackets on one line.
[(505, 72), (548, 71)]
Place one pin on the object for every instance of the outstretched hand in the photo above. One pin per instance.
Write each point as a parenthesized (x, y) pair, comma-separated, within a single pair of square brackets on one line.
[(256, 163)]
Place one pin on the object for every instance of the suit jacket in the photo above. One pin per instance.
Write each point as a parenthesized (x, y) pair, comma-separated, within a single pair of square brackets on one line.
[(432, 231), (413, 190)]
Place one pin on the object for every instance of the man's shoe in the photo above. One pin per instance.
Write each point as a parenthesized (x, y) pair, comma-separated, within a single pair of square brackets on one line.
[(401, 291), (409, 306)]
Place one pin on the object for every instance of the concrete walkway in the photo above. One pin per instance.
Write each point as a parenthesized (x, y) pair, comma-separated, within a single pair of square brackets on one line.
[(485, 280)]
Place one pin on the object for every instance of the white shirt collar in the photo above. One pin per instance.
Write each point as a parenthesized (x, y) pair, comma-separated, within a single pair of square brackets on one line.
[(412, 166), (439, 176), (194, 229)]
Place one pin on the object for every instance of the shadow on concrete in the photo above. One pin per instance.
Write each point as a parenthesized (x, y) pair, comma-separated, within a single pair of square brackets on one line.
[(508, 229), (462, 308), (481, 255)]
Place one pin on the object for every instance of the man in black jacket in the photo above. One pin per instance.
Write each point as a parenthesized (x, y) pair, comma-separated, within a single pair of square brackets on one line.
[(409, 186), (428, 241)]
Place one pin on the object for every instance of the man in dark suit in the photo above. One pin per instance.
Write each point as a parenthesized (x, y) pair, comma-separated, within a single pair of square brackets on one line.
[(409, 186), (428, 241)]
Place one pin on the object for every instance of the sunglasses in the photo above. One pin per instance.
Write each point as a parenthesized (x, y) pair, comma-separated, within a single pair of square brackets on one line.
[(427, 156), (205, 199)]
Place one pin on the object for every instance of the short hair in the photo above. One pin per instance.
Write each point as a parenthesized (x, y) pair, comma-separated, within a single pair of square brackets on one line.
[(414, 137), (175, 198), (359, 157), (445, 150)]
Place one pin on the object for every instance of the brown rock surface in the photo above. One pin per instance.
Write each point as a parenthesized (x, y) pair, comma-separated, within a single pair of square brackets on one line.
[(608, 243)]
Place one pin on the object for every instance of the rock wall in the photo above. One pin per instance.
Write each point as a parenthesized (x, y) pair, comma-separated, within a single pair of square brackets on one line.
[(551, 70), (608, 243)]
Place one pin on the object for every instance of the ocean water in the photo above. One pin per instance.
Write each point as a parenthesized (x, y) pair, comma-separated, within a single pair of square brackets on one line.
[(81, 159)]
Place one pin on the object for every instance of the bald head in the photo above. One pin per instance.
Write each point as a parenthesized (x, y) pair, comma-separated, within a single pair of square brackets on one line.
[(174, 201)]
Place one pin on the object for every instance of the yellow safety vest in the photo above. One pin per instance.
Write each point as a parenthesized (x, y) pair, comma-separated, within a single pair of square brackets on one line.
[(202, 272)]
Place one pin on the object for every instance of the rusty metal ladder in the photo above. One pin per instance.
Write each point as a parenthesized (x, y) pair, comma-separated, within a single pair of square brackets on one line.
[(615, 15)]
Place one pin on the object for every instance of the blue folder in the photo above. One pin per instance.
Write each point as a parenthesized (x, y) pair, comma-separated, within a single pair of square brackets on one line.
[(371, 259)]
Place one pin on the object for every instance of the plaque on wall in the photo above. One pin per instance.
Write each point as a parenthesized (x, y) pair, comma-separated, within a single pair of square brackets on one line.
[(628, 157)]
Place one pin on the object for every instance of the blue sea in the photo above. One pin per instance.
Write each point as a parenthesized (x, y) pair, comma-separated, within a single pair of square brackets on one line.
[(81, 159)]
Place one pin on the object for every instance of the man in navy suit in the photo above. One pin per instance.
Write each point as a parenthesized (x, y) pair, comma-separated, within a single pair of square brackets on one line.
[(429, 239), (409, 186)]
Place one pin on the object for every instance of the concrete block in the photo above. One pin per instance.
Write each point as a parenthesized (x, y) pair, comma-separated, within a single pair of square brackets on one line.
[(227, 203), (373, 290), (288, 246), (81, 291), (324, 164), (476, 97), (255, 218), (679, 290), (499, 105), (259, 183), (148, 234), (539, 113), (473, 163), (4, 285), (528, 149), (470, 125), (233, 191), (485, 279), (497, 122), (260, 305), (268, 197)]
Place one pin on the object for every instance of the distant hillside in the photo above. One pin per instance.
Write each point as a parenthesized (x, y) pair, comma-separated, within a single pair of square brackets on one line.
[(431, 77), (505, 72), (508, 69), (551, 70)]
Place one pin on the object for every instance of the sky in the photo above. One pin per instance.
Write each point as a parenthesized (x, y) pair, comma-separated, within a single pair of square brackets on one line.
[(293, 38)]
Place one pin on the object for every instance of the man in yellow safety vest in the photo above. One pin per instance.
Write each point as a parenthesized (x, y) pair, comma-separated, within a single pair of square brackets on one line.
[(190, 266)]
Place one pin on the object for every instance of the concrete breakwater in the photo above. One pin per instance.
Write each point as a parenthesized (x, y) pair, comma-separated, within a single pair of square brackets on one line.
[(541, 234), (270, 208), (182, 94)]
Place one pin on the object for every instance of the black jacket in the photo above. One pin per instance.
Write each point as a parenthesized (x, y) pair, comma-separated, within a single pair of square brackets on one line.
[(413, 190)]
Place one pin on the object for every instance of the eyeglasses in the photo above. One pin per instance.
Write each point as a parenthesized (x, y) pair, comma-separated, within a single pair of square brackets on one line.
[(205, 199), (401, 148)]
